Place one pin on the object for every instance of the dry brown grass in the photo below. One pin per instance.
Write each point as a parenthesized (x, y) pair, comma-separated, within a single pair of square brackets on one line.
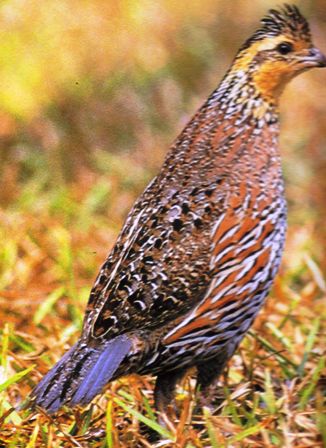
[(273, 395), (84, 124)]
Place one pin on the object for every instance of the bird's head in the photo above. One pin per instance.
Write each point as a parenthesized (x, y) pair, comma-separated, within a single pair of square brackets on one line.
[(278, 51)]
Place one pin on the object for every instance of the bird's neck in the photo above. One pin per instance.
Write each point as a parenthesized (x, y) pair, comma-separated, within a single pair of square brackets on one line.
[(239, 96), (235, 125)]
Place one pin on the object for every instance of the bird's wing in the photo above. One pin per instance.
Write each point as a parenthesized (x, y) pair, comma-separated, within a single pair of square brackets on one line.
[(247, 246), (159, 266)]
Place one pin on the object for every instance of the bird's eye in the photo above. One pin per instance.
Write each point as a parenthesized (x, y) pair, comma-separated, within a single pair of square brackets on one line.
[(284, 48)]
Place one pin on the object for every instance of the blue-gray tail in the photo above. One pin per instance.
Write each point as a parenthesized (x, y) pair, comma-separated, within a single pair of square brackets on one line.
[(80, 374)]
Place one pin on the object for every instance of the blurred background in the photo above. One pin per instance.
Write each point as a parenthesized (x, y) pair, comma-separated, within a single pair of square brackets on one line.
[(92, 94)]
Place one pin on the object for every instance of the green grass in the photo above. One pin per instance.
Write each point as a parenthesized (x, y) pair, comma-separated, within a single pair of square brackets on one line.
[(83, 129), (273, 396)]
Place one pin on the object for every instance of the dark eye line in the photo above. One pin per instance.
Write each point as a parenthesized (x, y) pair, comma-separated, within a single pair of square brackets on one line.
[(284, 48)]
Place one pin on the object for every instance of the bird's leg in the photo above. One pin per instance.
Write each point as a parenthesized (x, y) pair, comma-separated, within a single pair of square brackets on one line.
[(163, 395), (165, 387), (208, 374)]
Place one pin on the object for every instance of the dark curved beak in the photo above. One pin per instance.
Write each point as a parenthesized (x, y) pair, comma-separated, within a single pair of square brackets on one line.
[(313, 58)]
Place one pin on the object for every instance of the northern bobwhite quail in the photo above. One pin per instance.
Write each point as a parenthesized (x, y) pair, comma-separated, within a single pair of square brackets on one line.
[(200, 248)]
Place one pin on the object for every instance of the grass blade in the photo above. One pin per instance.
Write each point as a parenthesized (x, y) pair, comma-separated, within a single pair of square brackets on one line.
[(46, 306), (247, 432), (309, 345), (269, 396), (31, 443), (109, 425), (148, 422), (307, 392), (15, 378), (5, 345), (210, 429)]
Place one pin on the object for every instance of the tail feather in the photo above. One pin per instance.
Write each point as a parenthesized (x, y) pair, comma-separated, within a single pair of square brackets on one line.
[(101, 372), (80, 374)]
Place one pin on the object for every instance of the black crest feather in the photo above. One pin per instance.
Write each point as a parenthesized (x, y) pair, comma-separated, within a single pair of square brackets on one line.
[(286, 20)]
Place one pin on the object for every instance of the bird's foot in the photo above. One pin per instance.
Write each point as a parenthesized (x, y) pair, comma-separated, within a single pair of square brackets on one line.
[(210, 397)]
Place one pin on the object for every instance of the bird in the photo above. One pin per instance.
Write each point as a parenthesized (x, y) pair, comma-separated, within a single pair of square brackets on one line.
[(199, 250)]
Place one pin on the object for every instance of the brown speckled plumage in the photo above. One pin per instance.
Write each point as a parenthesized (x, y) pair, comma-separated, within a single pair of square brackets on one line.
[(202, 245)]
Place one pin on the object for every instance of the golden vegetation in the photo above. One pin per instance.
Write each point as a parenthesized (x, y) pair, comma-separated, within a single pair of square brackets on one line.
[(92, 93)]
